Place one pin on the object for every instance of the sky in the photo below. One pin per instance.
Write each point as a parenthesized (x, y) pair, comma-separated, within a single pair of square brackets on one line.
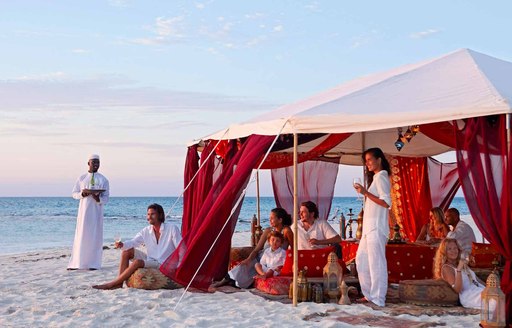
[(136, 81)]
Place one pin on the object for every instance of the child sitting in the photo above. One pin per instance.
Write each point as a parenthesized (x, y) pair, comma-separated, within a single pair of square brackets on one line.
[(273, 257)]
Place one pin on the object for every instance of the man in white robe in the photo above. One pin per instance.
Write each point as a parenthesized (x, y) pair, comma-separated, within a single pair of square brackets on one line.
[(92, 189)]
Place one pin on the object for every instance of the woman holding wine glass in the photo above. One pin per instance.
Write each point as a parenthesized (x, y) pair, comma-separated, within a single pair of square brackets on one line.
[(371, 254)]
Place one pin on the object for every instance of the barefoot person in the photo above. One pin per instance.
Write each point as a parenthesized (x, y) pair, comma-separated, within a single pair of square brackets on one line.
[(160, 238), (92, 189), (371, 254)]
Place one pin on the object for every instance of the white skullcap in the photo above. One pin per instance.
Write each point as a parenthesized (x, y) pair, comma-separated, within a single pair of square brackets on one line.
[(94, 156)]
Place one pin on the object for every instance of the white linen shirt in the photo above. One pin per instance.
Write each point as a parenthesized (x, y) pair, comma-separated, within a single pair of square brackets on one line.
[(170, 237), (464, 234), (320, 230), (375, 216), (272, 259)]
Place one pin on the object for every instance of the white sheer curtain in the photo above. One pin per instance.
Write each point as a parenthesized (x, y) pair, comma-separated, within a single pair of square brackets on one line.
[(316, 182)]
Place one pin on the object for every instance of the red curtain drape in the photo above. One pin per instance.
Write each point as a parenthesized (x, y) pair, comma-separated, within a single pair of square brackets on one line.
[(204, 179), (486, 181), (280, 159), (316, 181), (444, 182), (410, 193), (191, 167), (215, 210)]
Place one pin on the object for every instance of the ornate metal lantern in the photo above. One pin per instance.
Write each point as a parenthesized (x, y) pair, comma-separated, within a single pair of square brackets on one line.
[(492, 303), (333, 276)]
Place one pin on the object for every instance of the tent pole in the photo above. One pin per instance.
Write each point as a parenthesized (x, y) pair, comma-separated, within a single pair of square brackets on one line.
[(509, 118), (295, 219), (258, 197)]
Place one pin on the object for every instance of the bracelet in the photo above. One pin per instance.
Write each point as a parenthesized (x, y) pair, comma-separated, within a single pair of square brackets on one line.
[(458, 270)]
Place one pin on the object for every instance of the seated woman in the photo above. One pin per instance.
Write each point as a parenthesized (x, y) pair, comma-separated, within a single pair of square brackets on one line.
[(436, 229), (243, 274), (450, 267)]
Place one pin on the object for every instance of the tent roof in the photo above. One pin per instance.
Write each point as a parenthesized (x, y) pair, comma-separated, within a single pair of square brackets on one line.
[(459, 85)]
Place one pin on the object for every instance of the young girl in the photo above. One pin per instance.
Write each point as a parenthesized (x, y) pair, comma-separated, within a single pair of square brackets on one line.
[(273, 257)]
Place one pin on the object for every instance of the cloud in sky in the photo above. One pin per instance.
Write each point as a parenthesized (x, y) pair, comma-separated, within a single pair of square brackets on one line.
[(61, 93), (425, 34)]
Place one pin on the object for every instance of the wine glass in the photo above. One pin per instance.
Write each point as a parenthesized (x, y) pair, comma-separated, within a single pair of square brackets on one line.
[(355, 182), (117, 238)]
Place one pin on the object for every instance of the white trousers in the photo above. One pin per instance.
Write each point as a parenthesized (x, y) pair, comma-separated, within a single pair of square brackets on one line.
[(372, 268)]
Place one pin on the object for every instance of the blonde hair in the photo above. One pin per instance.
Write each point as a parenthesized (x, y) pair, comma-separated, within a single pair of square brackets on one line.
[(438, 214), (440, 258)]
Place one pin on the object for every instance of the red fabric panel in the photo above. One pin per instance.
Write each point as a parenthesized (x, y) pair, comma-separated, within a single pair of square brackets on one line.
[(204, 180), (191, 167), (278, 159), (486, 181), (410, 194), (405, 261), (316, 180), (216, 208), (441, 132), (444, 182), (349, 250), (313, 261)]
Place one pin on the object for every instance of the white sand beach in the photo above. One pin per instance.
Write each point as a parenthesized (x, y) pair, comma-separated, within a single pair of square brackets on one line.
[(37, 291)]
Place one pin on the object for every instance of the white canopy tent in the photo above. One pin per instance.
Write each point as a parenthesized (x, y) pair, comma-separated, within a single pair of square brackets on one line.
[(459, 85), (462, 84)]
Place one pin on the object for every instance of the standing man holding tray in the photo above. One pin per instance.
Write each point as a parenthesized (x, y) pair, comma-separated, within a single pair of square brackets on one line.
[(92, 189)]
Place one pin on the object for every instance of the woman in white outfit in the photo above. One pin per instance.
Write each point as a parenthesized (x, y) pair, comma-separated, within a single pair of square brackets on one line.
[(371, 254), (450, 266)]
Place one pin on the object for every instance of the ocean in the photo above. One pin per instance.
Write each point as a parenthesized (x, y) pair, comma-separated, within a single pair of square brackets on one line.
[(37, 223)]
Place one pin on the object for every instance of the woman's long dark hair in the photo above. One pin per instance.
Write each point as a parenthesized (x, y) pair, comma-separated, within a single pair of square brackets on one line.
[(283, 215), (377, 153)]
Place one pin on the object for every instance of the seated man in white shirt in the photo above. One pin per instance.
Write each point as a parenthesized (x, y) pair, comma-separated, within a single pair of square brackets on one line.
[(461, 231), (314, 233), (160, 238)]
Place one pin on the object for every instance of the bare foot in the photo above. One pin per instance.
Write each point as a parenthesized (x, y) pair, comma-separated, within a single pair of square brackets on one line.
[(107, 286)]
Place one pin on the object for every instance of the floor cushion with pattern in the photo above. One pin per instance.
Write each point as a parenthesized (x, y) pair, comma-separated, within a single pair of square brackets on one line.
[(431, 292), (151, 278)]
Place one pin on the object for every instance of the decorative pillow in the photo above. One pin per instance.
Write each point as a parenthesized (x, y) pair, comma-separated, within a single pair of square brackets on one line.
[(484, 255), (274, 286), (311, 260), (150, 278), (427, 292), (238, 254)]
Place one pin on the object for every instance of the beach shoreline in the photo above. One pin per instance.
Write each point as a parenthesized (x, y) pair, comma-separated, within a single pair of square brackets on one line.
[(38, 291)]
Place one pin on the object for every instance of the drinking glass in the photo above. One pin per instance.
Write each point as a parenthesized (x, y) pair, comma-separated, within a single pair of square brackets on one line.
[(357, 181), (117, 238)]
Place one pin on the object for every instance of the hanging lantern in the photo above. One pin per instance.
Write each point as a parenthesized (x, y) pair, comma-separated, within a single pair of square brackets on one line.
[(408, 135), (399, 143), (333, 276), (415, 129), (492, 303)]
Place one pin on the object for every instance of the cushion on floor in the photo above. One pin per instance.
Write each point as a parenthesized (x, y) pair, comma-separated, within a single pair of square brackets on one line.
[(434, 292), (275, 286), (149, 278)]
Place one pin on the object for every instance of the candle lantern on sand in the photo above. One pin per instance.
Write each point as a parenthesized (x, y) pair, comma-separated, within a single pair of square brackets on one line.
[(492, 303), (333, 276)]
